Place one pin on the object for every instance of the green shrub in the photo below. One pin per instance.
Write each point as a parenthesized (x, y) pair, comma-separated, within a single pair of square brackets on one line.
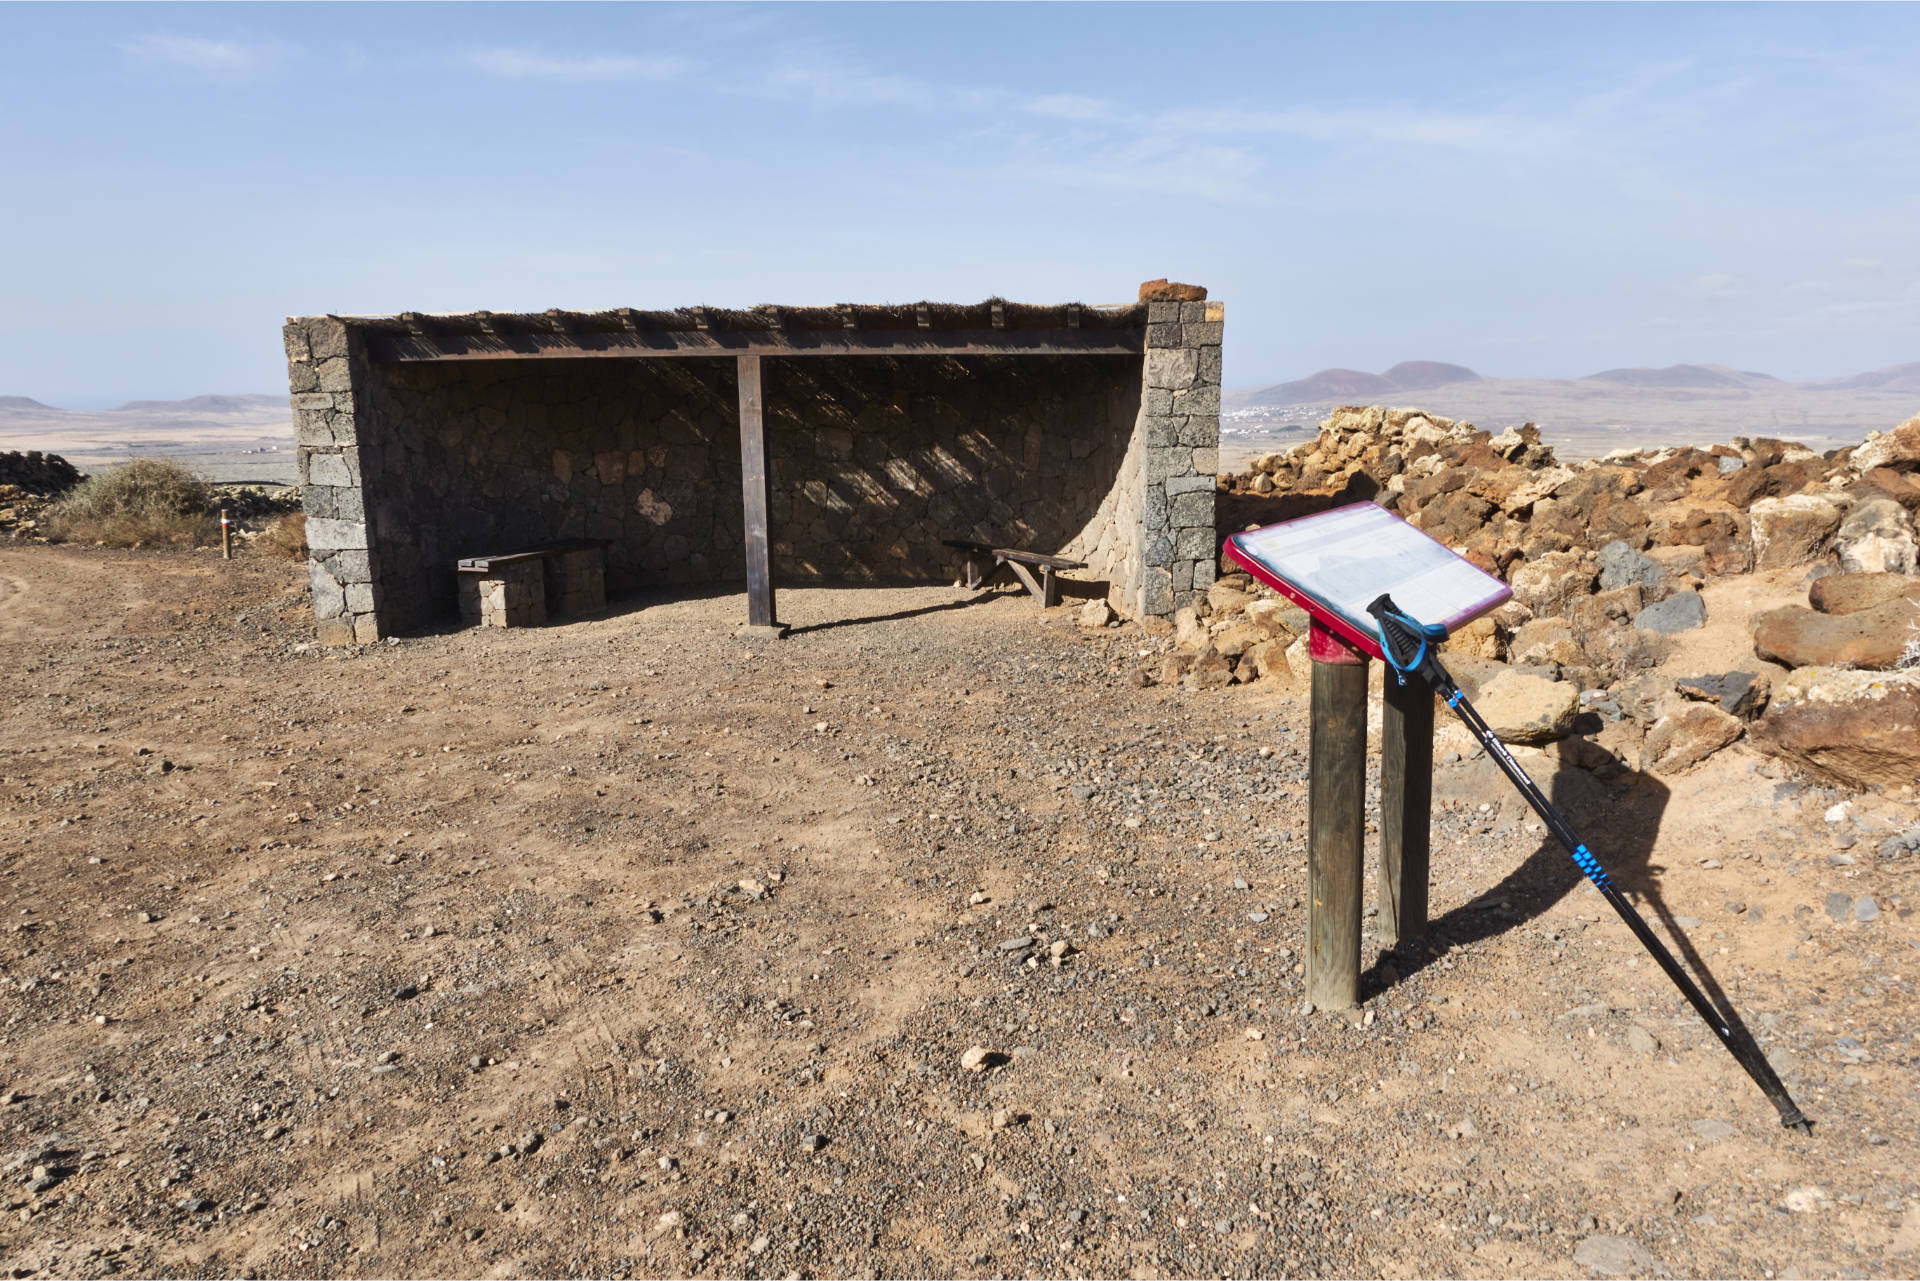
[(147, 502)]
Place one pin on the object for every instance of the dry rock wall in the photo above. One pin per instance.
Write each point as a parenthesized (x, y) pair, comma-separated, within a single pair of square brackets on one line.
[(33, 472), (1608, 560)]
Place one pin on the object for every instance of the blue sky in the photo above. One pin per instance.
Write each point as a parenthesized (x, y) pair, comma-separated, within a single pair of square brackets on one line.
[(1529, 190)]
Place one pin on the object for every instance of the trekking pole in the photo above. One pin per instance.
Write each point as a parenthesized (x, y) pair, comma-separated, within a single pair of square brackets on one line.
[(1410, 648)]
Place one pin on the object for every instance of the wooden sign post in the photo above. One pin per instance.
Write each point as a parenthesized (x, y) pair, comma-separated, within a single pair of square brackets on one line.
[(1406, 809), (1336, 819)]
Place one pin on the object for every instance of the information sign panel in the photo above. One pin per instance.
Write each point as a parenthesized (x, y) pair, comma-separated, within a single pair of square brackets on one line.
[(1335, 563)]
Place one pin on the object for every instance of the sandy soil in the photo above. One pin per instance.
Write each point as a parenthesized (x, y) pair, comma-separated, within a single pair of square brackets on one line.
[(625, 947)]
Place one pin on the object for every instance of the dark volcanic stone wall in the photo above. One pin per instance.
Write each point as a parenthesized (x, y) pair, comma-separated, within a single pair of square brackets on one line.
[(473, 457), (873, 461)]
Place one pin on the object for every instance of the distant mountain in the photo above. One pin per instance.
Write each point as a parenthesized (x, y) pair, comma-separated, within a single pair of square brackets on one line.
[(207, 405), (27, 404), (1681, 378), (1418, 375), (1893, 378), (1334, 385), (1352, 386)]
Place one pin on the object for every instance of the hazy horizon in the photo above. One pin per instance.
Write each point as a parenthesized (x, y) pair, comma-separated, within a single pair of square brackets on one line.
[(1538, 191), (118, 404)]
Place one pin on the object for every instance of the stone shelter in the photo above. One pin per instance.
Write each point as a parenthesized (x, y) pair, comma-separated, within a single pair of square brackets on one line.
[(788, 444)]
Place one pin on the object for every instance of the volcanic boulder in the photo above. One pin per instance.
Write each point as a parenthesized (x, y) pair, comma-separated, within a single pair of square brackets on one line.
[(1791, 531), (1877, 538), (1851, 593), (1857, 728), (1869, 638)]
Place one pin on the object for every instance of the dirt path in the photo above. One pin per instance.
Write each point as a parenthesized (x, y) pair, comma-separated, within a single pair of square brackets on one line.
[(628, 948)]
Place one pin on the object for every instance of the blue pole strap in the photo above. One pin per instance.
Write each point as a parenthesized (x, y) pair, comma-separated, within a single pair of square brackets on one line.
[(1591, 866)]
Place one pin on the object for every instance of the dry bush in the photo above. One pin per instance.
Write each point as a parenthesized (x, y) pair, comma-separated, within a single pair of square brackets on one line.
[(147, 502), (286, 536)]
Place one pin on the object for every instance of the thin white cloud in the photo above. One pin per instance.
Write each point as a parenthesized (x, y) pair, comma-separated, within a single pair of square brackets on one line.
[(1489, 131), (1714, 286), (1209, 171), (817, 77), (194, 53), (1071, 106), (524, 64)]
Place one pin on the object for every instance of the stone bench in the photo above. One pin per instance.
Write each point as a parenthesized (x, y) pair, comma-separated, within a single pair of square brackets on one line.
[(1046, 589), (521, 589)]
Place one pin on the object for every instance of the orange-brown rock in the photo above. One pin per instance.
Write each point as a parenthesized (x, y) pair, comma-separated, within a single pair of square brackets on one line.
[(1885, 480), (1851, 593), (1869, 638), (1164, 290), (1856, 728)]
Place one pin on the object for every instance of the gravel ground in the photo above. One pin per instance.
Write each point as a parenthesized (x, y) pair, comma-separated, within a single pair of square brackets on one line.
[(629, 948)]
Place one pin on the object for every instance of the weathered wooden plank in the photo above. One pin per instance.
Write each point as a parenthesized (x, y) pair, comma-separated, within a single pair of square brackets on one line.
[(753, 488), (1038, 558), (1026, 576), (501, 344), (1406, 810), (485, 563), (1336, 825)]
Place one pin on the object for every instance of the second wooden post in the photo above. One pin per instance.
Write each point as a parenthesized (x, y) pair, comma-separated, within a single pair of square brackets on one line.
[(1336, 820), (1406, 805)]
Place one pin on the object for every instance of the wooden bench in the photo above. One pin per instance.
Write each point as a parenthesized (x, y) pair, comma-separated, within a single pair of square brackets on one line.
[(520, 589), (1045, 589)]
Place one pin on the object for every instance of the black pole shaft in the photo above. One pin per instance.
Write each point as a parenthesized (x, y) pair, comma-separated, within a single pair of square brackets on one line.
[(1732, 1034)]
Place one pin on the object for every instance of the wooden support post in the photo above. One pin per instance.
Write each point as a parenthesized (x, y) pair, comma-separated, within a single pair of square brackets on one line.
[(1406, 808), (226, 537), (1336, 820), (1049, 588), (753, 484), (1025, 575)]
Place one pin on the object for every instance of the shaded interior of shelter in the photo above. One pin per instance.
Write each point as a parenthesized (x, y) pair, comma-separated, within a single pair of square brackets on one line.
[(872, 461)]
